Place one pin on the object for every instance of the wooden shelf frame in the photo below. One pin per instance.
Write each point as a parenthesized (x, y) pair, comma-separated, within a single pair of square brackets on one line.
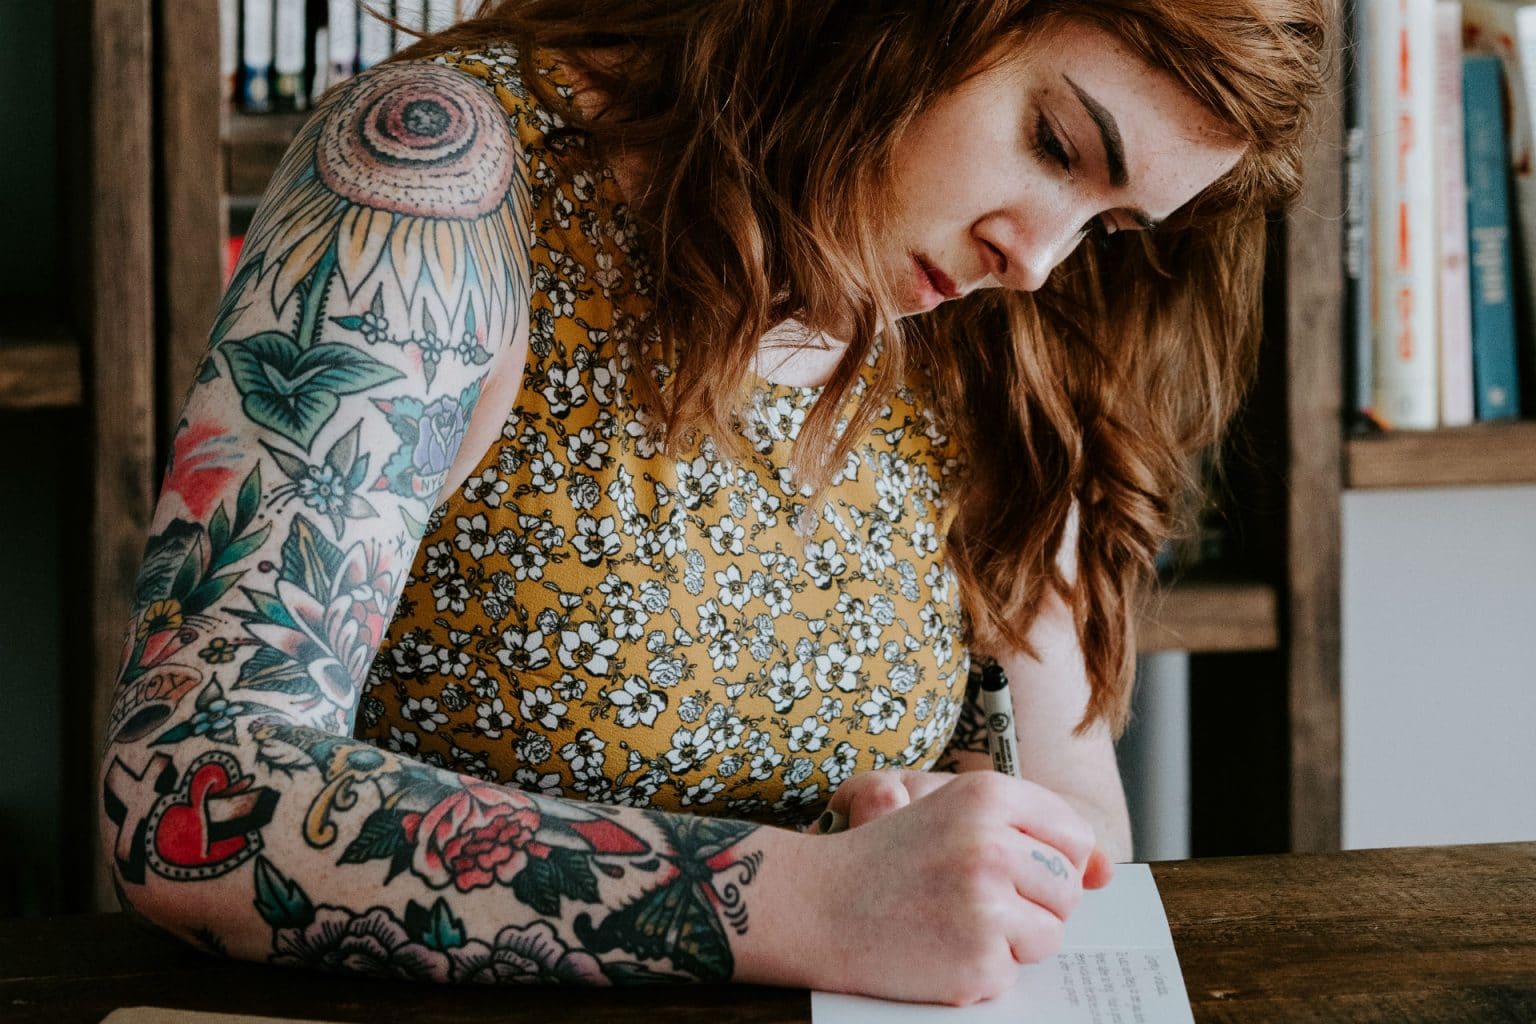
[(1313, 330), (1481, 455), (1212, 617), (39, 365)]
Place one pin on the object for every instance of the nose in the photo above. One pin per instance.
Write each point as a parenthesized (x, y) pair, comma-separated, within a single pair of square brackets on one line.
[(1022, 255)]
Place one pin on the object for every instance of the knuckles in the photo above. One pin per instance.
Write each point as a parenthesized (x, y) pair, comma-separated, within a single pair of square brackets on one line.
[(988, 976), (1044, 938)]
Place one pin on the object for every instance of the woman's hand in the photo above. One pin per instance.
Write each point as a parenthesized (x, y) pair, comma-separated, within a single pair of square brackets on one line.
[(869, 795), (942, 897)]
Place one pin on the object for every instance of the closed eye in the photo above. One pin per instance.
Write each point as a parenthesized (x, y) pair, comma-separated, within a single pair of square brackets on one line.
[(1049, 150)]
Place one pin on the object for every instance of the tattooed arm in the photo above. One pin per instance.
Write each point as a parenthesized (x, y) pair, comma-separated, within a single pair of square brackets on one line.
[(381, 295)]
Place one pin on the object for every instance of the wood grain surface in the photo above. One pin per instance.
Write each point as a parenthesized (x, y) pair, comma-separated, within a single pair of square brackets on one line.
[(120, 353), (39, 375), (1314, 325), (1481, 455), (1406, 935), (191, 215)]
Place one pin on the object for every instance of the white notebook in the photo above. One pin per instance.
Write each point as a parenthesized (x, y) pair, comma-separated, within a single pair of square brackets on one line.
[(1116, 966)]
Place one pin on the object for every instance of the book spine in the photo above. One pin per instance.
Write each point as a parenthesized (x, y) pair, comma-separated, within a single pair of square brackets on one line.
[(288, 56), (1488, 237), (1406, 223), (1456, 390), (375, 38), (229, 51), (1524, 106), (413, 15), (1359, 341), (256, 57), (341, 38), (1508, 30), (441, 14)]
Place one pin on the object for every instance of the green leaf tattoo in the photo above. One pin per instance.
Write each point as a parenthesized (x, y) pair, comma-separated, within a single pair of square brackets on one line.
[(294, 391), (281, 903), (436, 929)]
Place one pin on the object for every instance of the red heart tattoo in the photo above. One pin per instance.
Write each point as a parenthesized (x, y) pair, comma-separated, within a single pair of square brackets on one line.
[(212, 822)]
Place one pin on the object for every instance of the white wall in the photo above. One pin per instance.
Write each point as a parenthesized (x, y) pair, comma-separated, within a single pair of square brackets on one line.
[(1154, 758), (1439, 666)]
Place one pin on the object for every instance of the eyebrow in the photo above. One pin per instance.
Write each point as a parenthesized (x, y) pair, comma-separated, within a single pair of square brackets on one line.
[(1114, 148)]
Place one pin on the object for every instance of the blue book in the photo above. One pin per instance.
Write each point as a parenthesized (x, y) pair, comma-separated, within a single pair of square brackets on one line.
[(1494, 362)]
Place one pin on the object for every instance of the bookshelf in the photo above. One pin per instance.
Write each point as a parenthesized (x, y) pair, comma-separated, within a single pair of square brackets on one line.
[(39, 364), (185, 169), (1481, 455)]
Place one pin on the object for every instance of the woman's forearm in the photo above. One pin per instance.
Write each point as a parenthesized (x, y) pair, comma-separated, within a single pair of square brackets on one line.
[(301, 848)]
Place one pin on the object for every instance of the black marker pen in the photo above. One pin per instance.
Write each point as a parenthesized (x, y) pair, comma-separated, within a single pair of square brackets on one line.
[(997, 709)]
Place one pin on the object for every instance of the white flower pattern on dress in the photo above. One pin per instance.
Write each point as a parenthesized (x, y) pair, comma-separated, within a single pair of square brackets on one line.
[(587, 616)]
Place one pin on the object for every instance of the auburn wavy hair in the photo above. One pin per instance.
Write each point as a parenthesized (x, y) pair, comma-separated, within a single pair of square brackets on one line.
[(778, 121)]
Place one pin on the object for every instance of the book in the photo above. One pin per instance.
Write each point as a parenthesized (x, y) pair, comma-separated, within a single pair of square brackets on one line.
[(1508, 30), (229, 52), (289, 56), (256, 56), (1495, 371), (341, 40), (1456, 390), (442, 14), (1359, 348), (375, 39), (1405, 221)]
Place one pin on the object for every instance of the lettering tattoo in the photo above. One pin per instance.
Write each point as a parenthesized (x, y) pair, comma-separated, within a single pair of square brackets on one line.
[(385, 269)]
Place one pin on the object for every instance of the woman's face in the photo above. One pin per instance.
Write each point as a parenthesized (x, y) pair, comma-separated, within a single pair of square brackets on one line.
[(1003, 177)]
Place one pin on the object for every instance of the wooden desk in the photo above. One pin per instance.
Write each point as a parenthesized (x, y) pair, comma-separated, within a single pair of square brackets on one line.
[(1426, 934)]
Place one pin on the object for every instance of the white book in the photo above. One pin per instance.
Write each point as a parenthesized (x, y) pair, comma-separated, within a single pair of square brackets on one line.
[(341, 40), (412, 14), (322, 81), (229, 47), (256, 54), (375, 39), (1508, 30), (1456, 387), (288, 56), (1406, 225), (441, 14)]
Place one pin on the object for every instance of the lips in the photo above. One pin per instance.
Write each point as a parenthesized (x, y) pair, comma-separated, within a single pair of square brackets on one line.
[(942, 283)]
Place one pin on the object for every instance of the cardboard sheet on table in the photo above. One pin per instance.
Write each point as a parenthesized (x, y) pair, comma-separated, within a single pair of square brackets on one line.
[(1116, 966), (164, 1015)]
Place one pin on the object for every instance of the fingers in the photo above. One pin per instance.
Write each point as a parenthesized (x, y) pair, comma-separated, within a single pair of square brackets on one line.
[(866, 797), (883, 793), (1043, 815), (1043, 876), (1100, 870), (1037, 935)]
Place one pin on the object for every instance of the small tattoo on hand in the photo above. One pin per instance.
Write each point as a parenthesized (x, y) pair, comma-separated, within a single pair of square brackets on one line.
[(1052, 863)]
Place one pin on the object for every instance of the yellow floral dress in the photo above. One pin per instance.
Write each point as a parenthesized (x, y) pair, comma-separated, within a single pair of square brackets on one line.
[(589, 618)]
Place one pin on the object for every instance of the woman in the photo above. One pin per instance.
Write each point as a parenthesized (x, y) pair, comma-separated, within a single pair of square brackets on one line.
[(669, 404)]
